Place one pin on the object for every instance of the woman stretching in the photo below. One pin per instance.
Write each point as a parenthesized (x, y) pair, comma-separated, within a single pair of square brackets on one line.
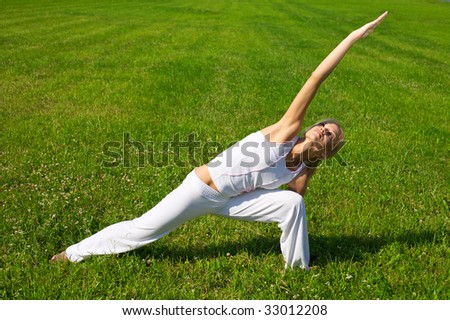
[(241, 182)]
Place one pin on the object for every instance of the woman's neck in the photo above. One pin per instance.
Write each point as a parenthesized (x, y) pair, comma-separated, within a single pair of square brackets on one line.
[(303, 151)]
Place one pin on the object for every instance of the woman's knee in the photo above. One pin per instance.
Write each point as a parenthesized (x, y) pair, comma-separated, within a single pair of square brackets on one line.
[(293, 210), (292, 199)]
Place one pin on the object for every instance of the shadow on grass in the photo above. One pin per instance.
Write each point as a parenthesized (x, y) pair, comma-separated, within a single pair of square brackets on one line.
[(324, 249), (257, 246)]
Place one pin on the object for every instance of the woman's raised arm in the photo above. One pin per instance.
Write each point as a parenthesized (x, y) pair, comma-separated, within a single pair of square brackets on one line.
[(293, 118)]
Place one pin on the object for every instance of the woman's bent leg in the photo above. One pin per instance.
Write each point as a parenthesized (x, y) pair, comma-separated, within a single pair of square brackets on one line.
[(286, 208), (190, 200)]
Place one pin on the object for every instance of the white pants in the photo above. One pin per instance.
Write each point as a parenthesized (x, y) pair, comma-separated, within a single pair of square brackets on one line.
[(192, 199)]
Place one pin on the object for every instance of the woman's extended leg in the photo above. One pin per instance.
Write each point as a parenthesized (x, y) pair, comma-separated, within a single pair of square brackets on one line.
[(286, 208), (190, 200)]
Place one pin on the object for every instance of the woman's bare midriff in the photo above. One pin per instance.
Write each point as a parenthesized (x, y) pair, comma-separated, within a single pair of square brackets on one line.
[(203, 174)]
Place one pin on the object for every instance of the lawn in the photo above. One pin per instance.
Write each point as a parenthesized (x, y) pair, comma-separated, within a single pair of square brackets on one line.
[(86, 84)]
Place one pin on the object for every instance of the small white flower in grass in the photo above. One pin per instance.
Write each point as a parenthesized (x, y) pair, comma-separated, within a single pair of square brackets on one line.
[(348, 276)]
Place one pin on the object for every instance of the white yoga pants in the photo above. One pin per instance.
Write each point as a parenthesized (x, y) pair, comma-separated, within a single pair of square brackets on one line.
[(192, 199)]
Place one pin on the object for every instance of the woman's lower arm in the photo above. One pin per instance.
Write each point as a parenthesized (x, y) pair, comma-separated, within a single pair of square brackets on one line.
[(332, 60)]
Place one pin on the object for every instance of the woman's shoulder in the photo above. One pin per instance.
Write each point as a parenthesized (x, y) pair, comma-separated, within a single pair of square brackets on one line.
[(280, 134)]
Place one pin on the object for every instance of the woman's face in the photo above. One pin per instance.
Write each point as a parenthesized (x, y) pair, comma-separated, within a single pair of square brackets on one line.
[(324, 136)]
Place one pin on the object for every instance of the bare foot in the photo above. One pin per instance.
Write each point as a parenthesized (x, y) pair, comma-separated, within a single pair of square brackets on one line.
[(60, 257)]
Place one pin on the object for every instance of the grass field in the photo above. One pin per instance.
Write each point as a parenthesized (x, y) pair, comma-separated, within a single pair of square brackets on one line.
[(76, 75)]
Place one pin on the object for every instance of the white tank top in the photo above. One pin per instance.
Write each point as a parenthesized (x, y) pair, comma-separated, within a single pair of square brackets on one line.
[(254, 162)]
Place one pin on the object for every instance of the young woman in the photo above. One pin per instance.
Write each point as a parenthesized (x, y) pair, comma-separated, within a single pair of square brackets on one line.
[(242, 182)]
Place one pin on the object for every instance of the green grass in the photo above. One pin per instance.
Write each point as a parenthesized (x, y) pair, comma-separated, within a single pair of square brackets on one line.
[(75, 75)]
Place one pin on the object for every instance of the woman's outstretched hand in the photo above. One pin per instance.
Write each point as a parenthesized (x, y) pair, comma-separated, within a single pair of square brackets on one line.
[(366, 29)]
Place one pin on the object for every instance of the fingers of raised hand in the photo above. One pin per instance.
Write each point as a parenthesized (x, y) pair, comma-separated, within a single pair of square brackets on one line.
[(369, 27), (380, 18)]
